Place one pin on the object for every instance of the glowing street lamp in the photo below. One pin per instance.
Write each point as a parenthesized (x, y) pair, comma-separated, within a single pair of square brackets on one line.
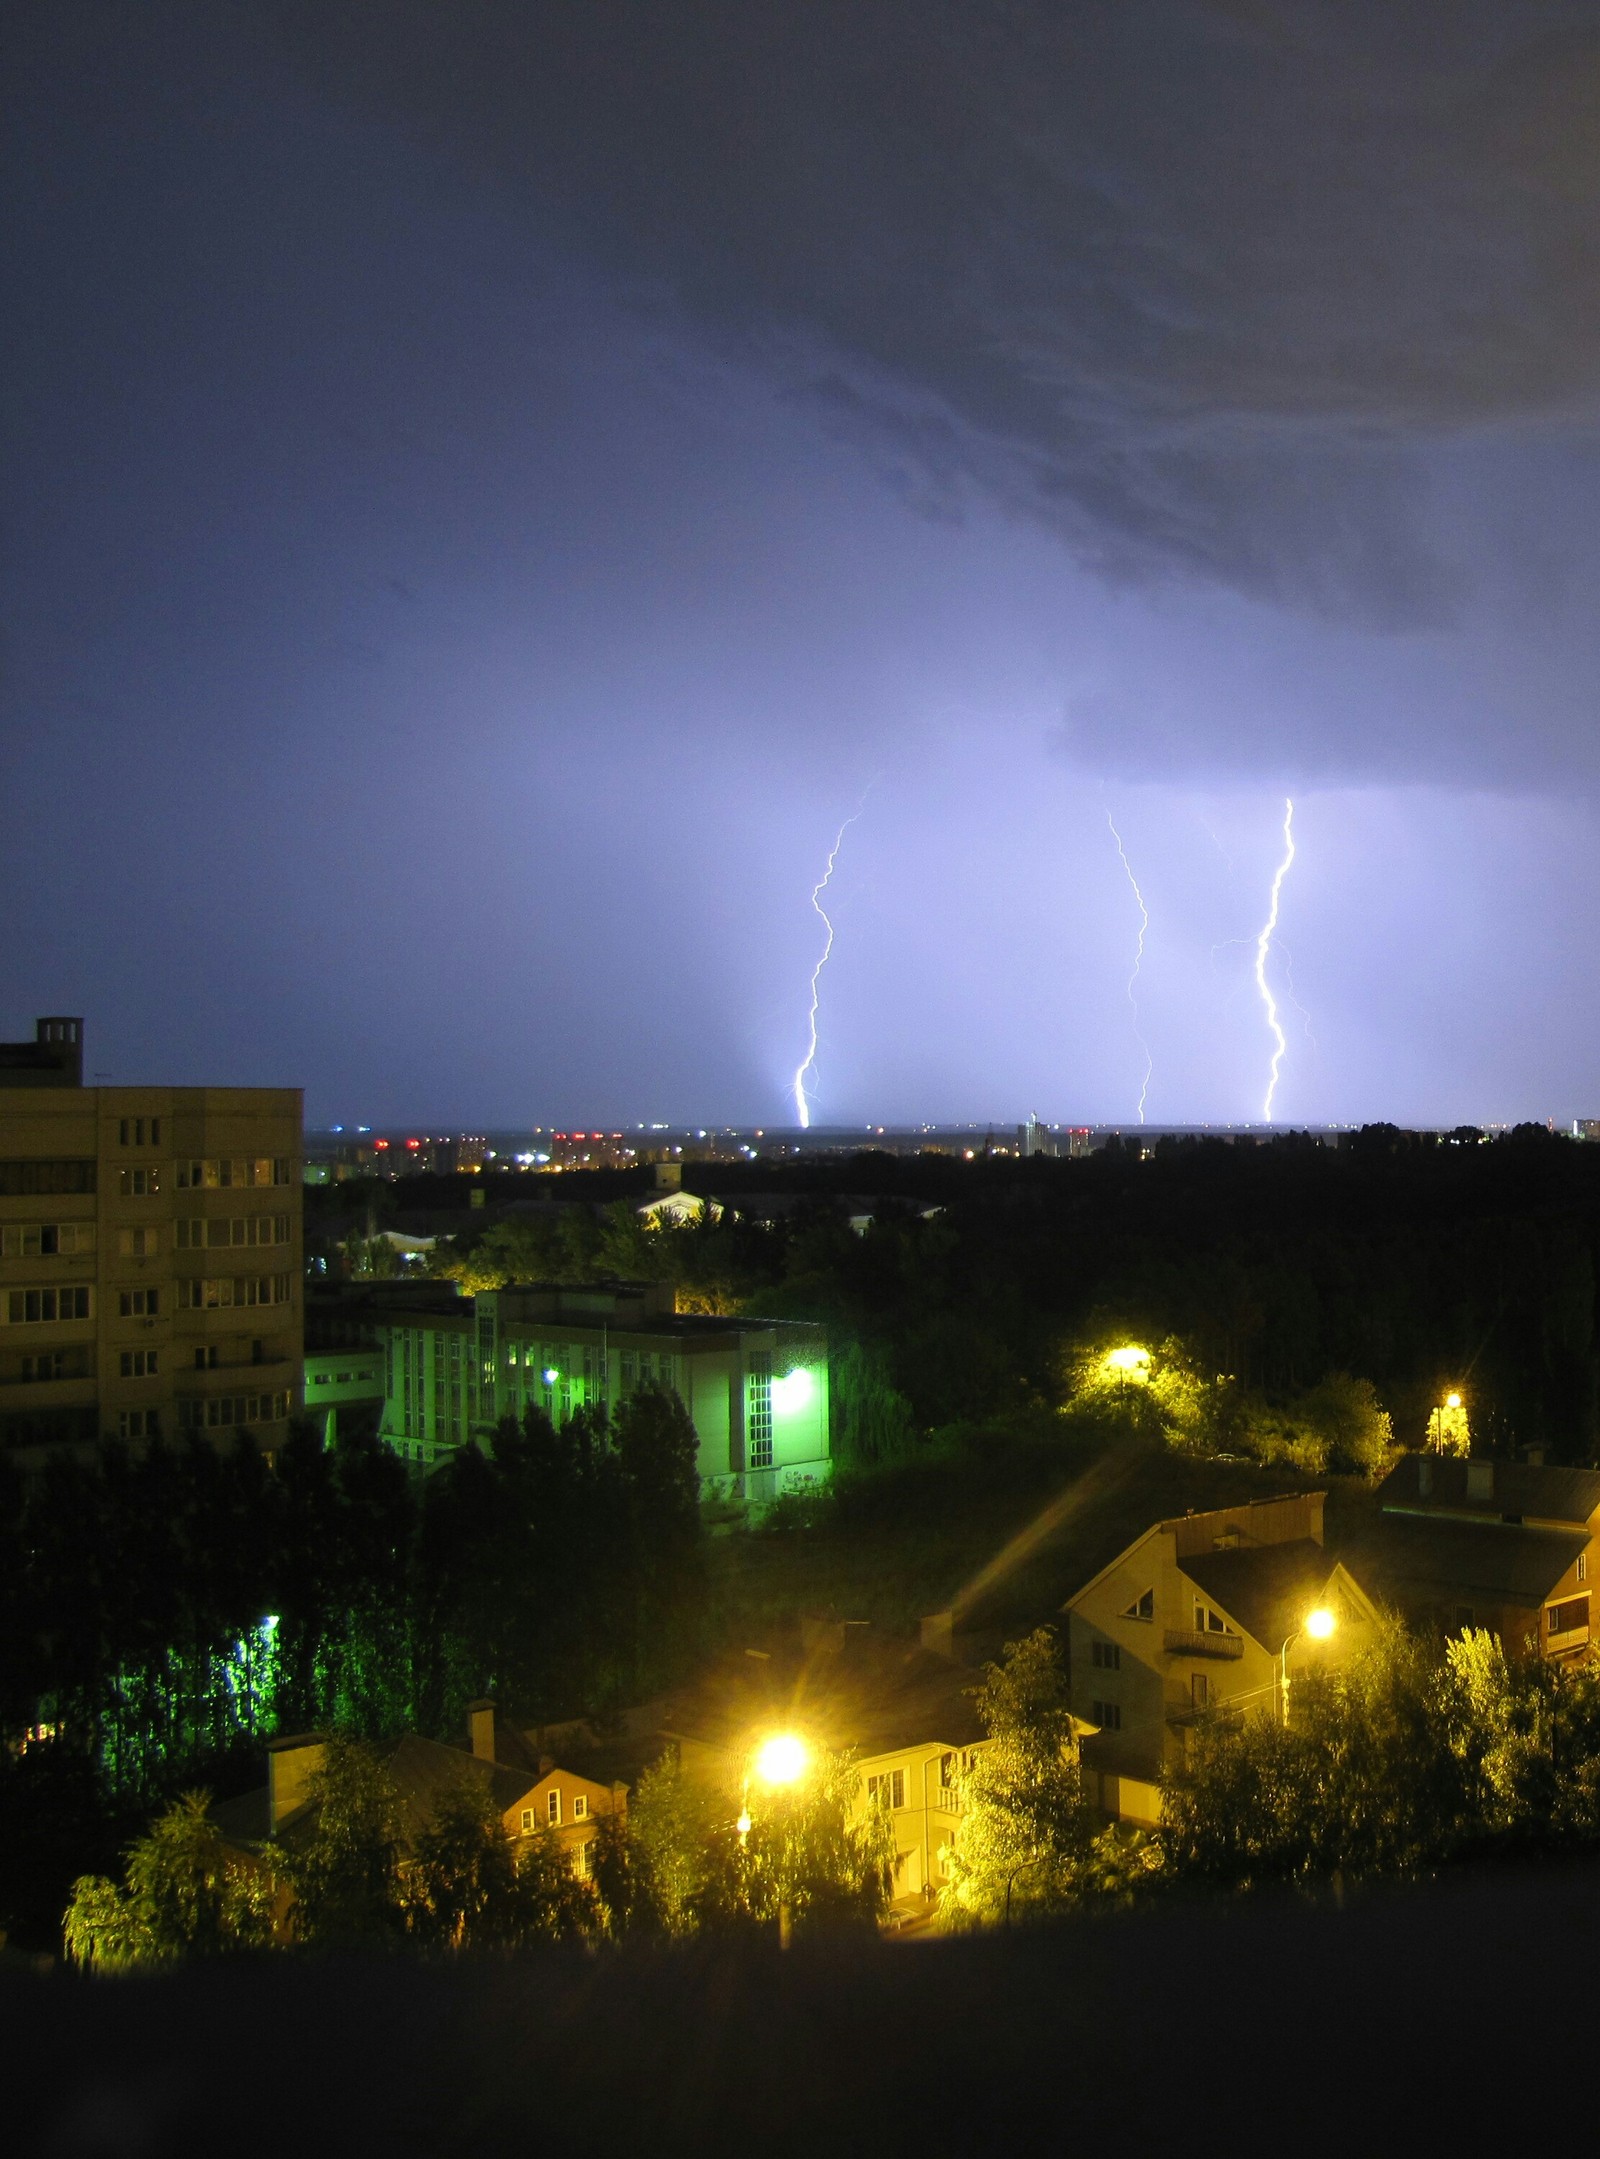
[(1447, 1425), (1319, 1625), (783, 1759), (781, 1762), (1129, 1362)]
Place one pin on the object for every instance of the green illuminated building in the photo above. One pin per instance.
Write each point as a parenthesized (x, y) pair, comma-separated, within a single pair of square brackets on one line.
[(756, 1389)]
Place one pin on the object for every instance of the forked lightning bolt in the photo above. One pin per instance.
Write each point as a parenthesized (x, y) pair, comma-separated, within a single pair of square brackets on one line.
[(1138, 962), (802, 1100), (1263, 948)]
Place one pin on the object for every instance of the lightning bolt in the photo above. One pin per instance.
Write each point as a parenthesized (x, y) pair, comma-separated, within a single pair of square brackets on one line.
[(1138, 962), (802, 1100), (1263, 947)]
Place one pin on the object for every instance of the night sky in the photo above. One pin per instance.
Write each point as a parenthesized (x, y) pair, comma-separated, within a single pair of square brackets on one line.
[(489, 489)]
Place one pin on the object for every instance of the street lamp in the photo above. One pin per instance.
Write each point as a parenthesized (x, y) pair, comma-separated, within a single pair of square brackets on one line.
[(780, 1762), (1447, 1425), (1320, 1625)]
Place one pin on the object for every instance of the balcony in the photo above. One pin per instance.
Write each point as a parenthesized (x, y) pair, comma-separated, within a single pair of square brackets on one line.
[(1201, 1642)]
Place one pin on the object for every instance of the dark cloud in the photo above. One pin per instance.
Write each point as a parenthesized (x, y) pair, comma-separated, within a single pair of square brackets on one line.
[(1197, 287)]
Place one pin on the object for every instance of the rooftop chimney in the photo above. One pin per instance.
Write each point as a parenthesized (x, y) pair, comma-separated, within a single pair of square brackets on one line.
[(291, 1765), (480, 1730)]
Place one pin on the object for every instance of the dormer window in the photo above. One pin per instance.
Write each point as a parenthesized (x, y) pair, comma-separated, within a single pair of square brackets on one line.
[(1142, 1607)]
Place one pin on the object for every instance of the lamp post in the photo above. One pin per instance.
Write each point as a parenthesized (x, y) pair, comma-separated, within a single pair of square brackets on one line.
[(1320, 1625), (780, 1763)]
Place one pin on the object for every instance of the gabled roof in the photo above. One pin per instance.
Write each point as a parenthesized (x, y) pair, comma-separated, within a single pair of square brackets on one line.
[(1544, 1493), (1407, 1556), (421, 1770), (1267, 1589), (871, 1696)]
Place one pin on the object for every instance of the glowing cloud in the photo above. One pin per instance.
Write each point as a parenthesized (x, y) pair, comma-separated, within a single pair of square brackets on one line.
[(1263, 947), (1138, 962)]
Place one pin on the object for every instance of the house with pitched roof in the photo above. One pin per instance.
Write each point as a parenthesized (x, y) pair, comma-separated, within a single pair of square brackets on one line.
[(904, 1712), (1508, 1546), (1202, 1615), (533, 1793)]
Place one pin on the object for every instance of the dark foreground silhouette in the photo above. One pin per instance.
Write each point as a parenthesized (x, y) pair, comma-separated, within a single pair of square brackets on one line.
[(1458, 2011)]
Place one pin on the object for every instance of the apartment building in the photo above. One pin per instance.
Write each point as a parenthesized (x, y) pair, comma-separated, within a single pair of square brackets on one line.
[(755, 1389), (150, 1255), (1212, 1612)]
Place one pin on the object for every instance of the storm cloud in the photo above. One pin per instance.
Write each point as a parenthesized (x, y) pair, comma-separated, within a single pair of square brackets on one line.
[(1203, 290)]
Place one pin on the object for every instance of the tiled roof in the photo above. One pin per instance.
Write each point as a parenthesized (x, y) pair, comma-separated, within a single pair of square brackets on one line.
[(871, 1696), (1552, 1494), (1267, 1588), (1407, 1556)]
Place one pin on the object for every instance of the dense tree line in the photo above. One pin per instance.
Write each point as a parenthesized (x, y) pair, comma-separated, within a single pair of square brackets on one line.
[(167, 1611), (1414, 1755), (1410, 1261), (676, 1863)]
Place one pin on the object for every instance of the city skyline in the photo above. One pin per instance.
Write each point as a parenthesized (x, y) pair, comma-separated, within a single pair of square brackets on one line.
[(493, 494)]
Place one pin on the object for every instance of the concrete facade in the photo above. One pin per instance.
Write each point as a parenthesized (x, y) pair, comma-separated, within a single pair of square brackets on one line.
[(150, 1263)]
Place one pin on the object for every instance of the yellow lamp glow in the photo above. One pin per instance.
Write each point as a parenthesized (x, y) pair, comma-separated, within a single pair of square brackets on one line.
[(1320, 1623), (1452, 1401), (1129, 1360), (782, 1759)]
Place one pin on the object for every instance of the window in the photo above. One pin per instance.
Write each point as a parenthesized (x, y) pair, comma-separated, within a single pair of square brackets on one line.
[(580, 1806), (221, 1291), (51, 1364), (888, 1790), (1208, 1622), (138, 1424), (198, 1234), (552, 1805), (21, 1180), (1583, 1567), (223, 1411), (527, 1812), (1108, 1715), (45, 1307), (1142, 1607), (138, 1303), (1200, 1690), (45, 1240), (139, 1183), (225, 1173), (580, 1860), (1567, 1617), (1106, 1656), (139, 1132), (138, 1243), (758, 1412), (138, 1363)]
